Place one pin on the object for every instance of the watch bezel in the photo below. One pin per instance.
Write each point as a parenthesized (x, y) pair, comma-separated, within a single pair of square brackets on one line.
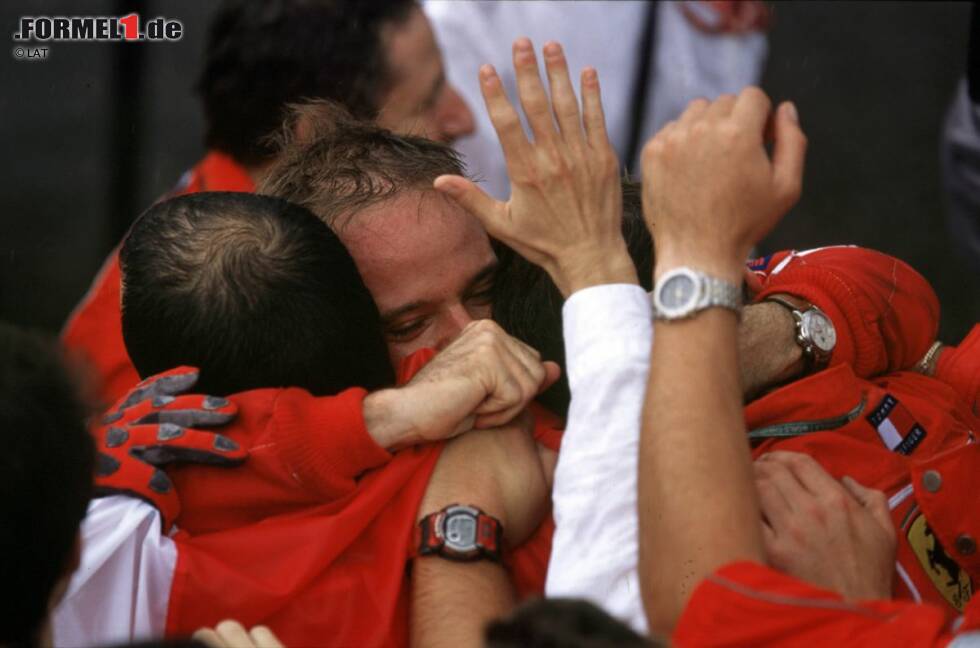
[(807, 332), (686, 309), (463, 549)]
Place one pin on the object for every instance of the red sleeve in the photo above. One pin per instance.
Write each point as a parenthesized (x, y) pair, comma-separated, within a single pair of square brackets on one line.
[(93, 335), (323, 440), (960, 367), (746, 604), (886, 314)]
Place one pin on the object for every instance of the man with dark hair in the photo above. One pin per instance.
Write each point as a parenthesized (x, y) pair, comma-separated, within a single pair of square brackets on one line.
[(46, 470), (265, 294), (377, 58), (563, 623), (428, 264), (244, 271)]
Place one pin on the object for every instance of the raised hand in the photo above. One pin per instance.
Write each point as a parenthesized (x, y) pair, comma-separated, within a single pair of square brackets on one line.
[(565, 208), (152, 426), (710, 190)]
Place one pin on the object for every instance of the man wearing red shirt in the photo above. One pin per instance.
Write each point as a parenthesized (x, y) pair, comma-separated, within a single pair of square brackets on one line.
[(698, 505), (380, 60), (693, 454)]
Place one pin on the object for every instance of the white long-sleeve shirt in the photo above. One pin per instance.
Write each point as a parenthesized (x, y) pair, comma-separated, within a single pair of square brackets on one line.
[(121, 589), (686, 63), (608, 335)]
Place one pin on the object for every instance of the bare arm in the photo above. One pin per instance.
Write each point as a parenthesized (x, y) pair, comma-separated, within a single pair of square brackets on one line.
[(767, 350), (697, 502), (500, 472)]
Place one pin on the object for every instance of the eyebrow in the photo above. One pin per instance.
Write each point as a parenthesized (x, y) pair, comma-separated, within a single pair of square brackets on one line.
[(482, 275)]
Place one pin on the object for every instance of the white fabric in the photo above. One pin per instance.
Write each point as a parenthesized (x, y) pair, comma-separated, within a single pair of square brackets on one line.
[(605, 35), (121, 589), (608, 333)]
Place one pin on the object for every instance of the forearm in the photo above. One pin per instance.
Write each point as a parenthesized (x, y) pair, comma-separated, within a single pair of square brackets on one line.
[(767, 349), (607, 339), (452, 602), (697, 503)]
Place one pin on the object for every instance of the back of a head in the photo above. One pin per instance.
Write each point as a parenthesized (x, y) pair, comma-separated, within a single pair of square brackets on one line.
[(46, 470), (335, 164), (527, 304), (255, 291), (264, 54), (562, 623)]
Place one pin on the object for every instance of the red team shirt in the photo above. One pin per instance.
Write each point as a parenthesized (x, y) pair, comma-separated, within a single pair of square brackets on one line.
[(312, 535)]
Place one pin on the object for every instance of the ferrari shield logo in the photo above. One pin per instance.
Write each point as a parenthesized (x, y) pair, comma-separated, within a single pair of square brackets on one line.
[(951, 581)]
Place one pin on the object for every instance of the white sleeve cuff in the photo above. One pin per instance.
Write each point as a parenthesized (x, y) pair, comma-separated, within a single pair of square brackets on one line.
[(603, 324)]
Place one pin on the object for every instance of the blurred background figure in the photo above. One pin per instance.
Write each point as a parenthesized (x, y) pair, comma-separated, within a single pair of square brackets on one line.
[(378, 59), (653, 58), (98, 131), (960, 156)]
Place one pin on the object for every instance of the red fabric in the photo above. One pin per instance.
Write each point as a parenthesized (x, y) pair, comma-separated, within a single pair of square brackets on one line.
[(303, 451), (320, 558), (885, 313), (93, 332), (745, 604), (857, 449)]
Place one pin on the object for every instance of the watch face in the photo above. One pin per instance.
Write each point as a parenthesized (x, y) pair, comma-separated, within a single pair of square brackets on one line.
[(677, 293), (460, 530), (820, 330)]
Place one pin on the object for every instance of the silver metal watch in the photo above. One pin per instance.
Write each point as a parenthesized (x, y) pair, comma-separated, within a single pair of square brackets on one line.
[(684, 292), (815, 332)]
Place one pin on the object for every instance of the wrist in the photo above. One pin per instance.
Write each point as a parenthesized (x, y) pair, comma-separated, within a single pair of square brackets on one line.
[(387, 420), (584, 269), (725, 264)]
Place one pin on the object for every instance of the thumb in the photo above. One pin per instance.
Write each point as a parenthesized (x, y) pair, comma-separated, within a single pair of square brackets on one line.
[(472, 199), (788, 154), (551, 376)]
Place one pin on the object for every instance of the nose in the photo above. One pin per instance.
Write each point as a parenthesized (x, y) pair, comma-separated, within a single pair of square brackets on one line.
[(456, 119), (453, 322)]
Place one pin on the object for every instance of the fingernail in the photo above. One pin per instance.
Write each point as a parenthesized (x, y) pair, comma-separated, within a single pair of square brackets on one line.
[(523, 51), (488, 75), (790, 110), (551, 48), (446, 186)]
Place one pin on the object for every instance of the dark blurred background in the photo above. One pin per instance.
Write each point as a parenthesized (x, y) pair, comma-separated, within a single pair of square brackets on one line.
[(96, 132)]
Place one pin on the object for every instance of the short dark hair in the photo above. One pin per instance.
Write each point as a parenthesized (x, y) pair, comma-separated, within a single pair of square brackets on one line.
[(335, 164), (527, 304), (562, 623), (255, 291), (264, 54), (46, 472)]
